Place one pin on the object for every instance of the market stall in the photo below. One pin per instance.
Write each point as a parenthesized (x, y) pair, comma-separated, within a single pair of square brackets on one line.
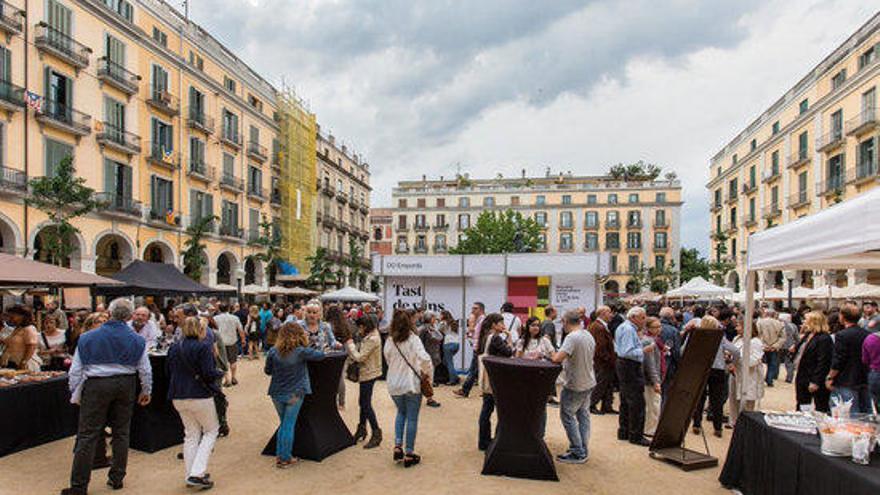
[(142, 278), (839, 238), (348, 294)]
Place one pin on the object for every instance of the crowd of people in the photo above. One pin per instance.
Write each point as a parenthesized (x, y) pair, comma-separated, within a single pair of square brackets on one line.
[(629, 353)]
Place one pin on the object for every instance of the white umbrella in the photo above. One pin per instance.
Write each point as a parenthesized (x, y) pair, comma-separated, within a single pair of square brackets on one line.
[(772, 294), (700, 288), (349, 294), (863, 290), (224, 287), (252, 289), (277, 290)]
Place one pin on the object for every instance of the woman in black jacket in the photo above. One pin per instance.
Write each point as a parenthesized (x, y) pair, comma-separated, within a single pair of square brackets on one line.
[(493, 343), (192, 380), (814, 363)]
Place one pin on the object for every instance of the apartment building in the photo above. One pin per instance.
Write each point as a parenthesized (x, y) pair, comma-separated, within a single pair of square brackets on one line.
[(814, 147), (343, 182), (637, 222), (382, 236), (162, 121)]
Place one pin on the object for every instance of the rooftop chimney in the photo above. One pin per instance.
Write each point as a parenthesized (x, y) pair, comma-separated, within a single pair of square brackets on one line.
[(344, 149), (332, 139)]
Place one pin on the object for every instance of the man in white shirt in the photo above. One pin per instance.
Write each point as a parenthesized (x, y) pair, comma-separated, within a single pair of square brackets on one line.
[(144, 326), (230, 330), (511, 322)]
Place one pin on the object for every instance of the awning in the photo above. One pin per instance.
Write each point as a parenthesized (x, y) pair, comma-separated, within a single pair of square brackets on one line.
[(16, 271), (142, 278)]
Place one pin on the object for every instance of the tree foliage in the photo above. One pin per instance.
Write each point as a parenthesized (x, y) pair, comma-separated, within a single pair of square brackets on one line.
[(692, 265), (195, 258), (62, 197), (269, 245), (321, 270), (500, 232), (721, 265), (662, 278), (638, 171), (355, 268)]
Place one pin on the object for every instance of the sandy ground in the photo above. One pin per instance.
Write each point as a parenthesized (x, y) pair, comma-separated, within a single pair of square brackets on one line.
[(447, 441)]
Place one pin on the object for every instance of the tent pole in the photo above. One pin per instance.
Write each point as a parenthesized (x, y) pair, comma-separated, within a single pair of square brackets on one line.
[(747, 334)]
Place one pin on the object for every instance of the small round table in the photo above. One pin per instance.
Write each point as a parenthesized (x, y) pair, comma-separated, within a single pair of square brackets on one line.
[(521, 388)]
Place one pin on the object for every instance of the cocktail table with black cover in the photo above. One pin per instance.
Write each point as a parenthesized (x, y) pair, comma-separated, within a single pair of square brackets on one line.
[(32, 414), (156, 426), (320, 431), (521, 388)]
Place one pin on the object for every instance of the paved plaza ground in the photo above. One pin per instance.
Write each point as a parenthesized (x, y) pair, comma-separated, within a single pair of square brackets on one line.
[(447, 441)]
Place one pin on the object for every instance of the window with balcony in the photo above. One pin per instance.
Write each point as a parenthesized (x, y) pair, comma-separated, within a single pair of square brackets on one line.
[(633, 263), (230, 126), (440, 220), (732, 217), (659, 261), (612, 240), (634, 240), (803, 145), (633, 198), (160, 37), (420, 202), (717, 198), (591, 241), (732, 189), (660, 240), (117, 184), (489, 201), (114, 119), (752, 209), (540, 200), (161, 140), (59, 96), (867, 57), (541, 218), (803, 106), (591, 219), (774, 197), (566, 199), (612, 218), (834, 172), (464, 202), (566, 220), (401, 203), (197, 156), (660, 218), (420, 222), (775, 128), (421, 244), (660, 197), (55, 152), (866, 165), (634, 219), (201, 205), (774, 163), (612, 199), (753, 179), (441, 202), (802, 187), (228, 165), (255, 181), (838, 79), (401, 222), (565, 241), (837, 123), (753, 144), (161, 197), (464, 221), (229, 218), (591, 199)]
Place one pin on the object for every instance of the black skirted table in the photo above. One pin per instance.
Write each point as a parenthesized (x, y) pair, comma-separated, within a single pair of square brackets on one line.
[(156, 426), (320, 431), (767, 461), (32, 414), (521, 388)]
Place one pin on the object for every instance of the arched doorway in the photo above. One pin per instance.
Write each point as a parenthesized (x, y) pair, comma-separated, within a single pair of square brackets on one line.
[(158, 252), (42, 253), (253, 271), (612, 287), (112, 253), (225, 268), (632, 287), (10, 238), (733, 281), (272, 271)]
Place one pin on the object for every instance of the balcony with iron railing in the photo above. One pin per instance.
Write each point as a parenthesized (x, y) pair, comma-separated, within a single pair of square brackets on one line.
[(161, 157), (731, 197), (11, 19), (770, 175), (113, 203), (833, 184), (256, 192), (661, 224), (231, 231), (64, 118), (257, 151), (275, 197), (163, 216), (863, 123), (198, 169), (799, 199), (196, 119), (441, 227), (661, 246), (594, 225), (117, 76), (421, 227), (716, 205), (401, 249), (749, 187), (440, 249), (771, 211), (118, 139), (634, 223), (865, 171), (11, 96), (612, 224), (231, 183), (730, 227), (253, 235), (13, 181), (830, 141), (163, 101), (231, 138), (327, 190), (342, 197), (632, 248), (749, 220), (49, 40), (797, 160)]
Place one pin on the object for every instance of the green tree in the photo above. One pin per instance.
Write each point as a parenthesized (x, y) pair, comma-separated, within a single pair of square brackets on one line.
[(721, 266), (692, 265), (269, 244), (63, 197), (635, 171), (638, 279), (500, 232), (321, 270), (355, 268), (662, 278), (195, 258)]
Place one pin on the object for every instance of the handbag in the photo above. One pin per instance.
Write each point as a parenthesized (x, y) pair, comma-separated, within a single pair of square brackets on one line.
[(425, 385), (353, 371), (212, 388)]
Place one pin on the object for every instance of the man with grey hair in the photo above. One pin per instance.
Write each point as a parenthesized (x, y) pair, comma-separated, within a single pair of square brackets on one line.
[(103, 380), (772, 333), (630, 355), (576, 354), (144, 326)]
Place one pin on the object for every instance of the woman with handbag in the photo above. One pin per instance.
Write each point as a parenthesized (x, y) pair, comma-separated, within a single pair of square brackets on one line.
[(192, 385), (53, 345), (365, 368), (286, 363), (409, 377), (494, 342)]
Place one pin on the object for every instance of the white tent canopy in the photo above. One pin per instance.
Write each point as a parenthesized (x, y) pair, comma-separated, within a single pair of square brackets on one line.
[(349, 294), (860, 291), (701, 288)]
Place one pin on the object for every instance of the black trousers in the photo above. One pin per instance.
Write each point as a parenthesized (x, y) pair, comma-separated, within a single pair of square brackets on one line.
[(716, 392), (820, 398), (485, 422), (104, 401), (365, 404), (631, 421), (604, 390)]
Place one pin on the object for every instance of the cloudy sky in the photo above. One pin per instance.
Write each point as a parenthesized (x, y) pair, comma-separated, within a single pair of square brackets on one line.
[(497, 86)]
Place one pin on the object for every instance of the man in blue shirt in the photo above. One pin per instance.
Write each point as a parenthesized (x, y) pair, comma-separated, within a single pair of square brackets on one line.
[(265, 317), (630, 354)]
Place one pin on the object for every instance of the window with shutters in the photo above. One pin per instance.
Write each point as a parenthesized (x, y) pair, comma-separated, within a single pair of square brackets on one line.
[(160, 37), (253, 223), (117, 181), (868, 56), (613, 263), (161, 197), (634, 240), (255, 134), (159, 83), (228, 166), (659, 261), (229, 216), (60, 19), (803, 106), (201, 205), (114, 119), (229, 84), (838, 79), (5, 68), (55, 152), (255, 181), (114, 54), (802, 187), (161, 138), (121, 8), (660, 218), (230, 126), (633, 264), (59, 96), (197, 155), (612, 240), (660, 240), (196, 105)]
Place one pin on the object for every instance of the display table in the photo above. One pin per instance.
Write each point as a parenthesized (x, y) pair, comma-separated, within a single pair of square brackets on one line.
[(320, 431), (156, 426), (32, 414), (521, 388), (763, 460)]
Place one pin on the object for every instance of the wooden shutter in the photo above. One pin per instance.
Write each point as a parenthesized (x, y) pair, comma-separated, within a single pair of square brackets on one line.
[(195, 210), (208, 205), (5, 64), (110, 179), (126, 181), (59, 17)]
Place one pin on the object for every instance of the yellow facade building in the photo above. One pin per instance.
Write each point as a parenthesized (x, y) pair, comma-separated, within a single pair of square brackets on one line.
[(638, 222), (814, 147), (161, 120)]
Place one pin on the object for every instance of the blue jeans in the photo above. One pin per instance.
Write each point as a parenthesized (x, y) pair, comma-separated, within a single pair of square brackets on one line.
[(449, 351), (287, 412), (861, 398), (772, 360), (473, 372), (407, 419), (574, 412), (874, 388)]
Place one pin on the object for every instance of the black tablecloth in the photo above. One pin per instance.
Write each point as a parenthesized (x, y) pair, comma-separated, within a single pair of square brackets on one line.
[(320, 431), (521, 388), (764, 460), (156, 426), (32, 414)]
